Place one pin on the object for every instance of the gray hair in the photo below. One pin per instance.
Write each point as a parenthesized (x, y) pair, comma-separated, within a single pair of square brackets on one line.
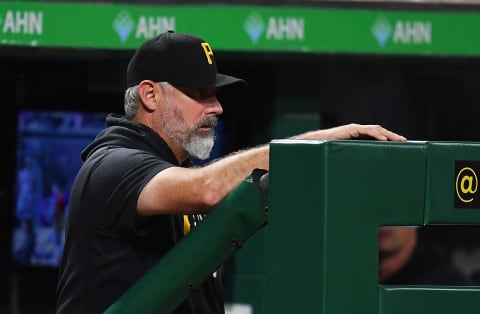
[(132, 99), (132, 102)]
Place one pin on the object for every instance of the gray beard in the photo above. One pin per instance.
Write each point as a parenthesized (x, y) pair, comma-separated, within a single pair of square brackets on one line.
[(199, 146)]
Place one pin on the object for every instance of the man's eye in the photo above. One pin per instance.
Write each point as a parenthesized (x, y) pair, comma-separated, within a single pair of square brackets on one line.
[(199, 94), (190, 94)]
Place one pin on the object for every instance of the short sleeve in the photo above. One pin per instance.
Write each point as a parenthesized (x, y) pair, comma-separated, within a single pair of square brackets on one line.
[(117, 177)]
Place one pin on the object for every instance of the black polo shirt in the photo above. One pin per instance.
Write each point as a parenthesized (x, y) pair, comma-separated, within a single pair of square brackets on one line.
[(105, 250)]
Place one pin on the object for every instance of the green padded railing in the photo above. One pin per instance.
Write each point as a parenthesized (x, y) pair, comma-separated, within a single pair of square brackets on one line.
[(219, 235), (327, 200)]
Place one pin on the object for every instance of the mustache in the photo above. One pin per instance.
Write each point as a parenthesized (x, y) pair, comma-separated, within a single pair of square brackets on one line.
[(208, 122)]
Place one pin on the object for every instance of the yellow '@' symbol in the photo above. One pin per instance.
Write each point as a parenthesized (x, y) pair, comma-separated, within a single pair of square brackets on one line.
[(208, 52), (468, 183)]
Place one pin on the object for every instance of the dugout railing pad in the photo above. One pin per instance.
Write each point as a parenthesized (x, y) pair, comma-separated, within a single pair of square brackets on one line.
[(327, 200)]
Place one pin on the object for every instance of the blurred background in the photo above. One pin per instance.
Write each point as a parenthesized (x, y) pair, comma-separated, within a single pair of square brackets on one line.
[(412, 66)]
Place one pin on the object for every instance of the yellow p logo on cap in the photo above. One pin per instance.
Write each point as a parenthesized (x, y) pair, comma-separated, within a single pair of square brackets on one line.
[(208, 52)]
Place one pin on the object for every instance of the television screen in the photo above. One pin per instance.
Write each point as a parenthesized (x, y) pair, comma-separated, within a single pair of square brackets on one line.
[(48, 147)]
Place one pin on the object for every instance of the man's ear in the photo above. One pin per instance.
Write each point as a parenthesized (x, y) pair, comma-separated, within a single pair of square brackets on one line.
[(148, 97)]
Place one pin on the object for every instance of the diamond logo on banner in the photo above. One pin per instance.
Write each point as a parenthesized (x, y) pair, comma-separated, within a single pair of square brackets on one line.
[(124, 25), (381, 30), (254, 26)]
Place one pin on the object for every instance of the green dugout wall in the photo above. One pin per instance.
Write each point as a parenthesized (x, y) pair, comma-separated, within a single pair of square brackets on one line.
[(327, 200)]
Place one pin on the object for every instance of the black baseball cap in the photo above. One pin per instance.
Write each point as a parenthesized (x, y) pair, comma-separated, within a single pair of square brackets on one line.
[(179, 59)]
